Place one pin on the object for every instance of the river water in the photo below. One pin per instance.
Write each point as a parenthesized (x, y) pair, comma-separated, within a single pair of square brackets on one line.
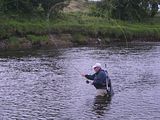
[(46, 84)]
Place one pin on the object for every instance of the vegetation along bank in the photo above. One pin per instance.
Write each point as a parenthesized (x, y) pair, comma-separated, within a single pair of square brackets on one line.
[(67, 23)]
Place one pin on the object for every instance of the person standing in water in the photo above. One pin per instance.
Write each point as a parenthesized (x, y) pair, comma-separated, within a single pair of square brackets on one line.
[(101, 81)]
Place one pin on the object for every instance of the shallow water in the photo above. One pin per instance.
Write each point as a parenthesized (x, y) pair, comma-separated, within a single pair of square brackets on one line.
[(46, 84)]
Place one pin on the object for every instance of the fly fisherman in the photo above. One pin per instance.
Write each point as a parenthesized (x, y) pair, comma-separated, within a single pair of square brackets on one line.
[(101, 80)]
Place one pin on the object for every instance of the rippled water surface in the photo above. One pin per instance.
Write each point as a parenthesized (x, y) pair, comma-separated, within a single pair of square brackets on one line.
[(46, 84)]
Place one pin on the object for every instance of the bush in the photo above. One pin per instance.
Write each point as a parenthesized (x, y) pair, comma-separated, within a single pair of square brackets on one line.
[(37, 38), (79, 39)]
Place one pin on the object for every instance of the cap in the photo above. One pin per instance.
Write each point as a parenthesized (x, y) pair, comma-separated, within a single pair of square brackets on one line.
[(96, 65)]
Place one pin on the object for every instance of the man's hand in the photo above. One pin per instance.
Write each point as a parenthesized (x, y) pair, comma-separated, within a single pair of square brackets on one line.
[(83, 75)]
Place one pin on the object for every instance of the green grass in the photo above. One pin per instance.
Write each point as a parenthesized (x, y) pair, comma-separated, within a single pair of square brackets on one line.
[(81, 25), (79, 38), (13, 40), (37, 38)]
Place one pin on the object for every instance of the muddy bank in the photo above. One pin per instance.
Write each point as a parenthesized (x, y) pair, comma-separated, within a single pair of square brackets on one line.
[(64, 40), (55, 40), (51, 41)]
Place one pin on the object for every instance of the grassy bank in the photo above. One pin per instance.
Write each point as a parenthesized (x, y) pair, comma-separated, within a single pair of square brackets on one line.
[(79, 26)]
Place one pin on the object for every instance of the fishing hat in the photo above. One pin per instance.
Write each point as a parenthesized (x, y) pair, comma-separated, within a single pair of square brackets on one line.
[(96, 65)]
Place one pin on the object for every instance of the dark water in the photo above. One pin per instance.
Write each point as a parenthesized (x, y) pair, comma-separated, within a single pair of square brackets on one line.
[(45, 85)]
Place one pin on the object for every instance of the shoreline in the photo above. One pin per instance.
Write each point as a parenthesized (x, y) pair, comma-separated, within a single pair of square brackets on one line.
[(73, 30), (65, 40)]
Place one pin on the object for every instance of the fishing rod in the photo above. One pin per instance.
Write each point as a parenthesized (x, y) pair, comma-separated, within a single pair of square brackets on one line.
[(76, 69), (56, 46), (50, 36)]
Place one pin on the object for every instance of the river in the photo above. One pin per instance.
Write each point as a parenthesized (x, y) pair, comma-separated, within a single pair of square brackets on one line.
[(46, 84)]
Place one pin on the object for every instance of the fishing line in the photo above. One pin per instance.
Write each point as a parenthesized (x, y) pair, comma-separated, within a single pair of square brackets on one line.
[(52, 39), (120, 27), (56, 46)]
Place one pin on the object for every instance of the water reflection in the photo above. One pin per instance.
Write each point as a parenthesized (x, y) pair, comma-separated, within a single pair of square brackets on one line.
[(101, 105)]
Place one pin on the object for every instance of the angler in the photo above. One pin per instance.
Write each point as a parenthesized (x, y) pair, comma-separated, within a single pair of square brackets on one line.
[(101, 81)]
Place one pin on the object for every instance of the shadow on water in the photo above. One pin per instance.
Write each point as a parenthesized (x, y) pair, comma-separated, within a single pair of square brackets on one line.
[(29, 53), (101, 104)]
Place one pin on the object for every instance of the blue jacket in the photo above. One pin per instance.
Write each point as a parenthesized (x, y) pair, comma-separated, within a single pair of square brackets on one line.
[(100, 79)]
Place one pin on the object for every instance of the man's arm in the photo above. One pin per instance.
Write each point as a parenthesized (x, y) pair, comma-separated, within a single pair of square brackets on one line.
[(90, 77)]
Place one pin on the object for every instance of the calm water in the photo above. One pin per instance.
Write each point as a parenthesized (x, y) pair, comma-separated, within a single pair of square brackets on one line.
[(45, 84)]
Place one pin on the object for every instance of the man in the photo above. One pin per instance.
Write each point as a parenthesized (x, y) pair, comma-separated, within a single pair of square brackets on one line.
[(101, 80)]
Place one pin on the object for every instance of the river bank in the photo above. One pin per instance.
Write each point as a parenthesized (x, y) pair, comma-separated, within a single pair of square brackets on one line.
[(73, 30)]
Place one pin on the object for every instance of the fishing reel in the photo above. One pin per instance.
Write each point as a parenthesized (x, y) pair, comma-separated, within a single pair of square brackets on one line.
[(87, 81)]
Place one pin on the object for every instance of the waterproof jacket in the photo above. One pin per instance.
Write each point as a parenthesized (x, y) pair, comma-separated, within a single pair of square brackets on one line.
[(101, 80)]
